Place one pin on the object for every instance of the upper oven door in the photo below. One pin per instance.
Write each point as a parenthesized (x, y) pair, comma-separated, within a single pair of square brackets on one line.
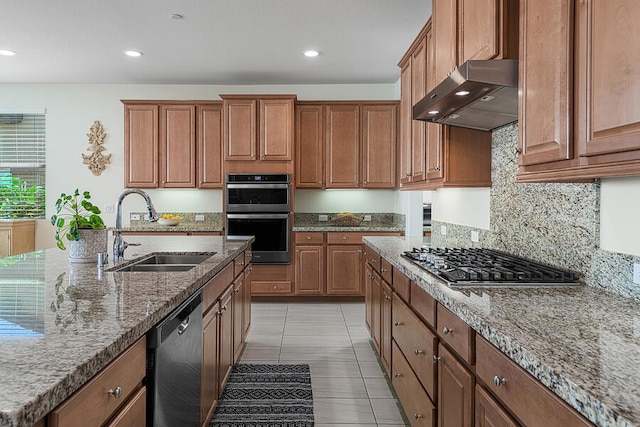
[(253, 197)]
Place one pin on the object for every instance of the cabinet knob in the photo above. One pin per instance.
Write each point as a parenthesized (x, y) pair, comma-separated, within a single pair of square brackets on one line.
[(275, 286), (117, 392), (396, 323), (408, 174), (308, 237), (387, 298), (447, 331), (384, 270), (435, 359), (344, 237), (397, 375), (417, 416), (517, 151), (437, 168), (499, 381), (418, 352), (236, 290)]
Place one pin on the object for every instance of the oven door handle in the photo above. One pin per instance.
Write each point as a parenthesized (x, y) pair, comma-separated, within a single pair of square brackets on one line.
[(265, 186), (258, 216)]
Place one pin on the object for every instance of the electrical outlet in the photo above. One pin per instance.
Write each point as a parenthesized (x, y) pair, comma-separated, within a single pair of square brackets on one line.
[(134, 217), (108, 208), (323, 217), (199, 217), (367, 218), (636, 273), (443, 230), (475, 236)]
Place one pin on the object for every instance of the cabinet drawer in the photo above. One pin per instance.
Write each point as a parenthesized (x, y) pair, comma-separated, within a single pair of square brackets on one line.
[(238, 264), (457, 334), (401, 284), (386, 271), (374, 260), (415, 402), (418, 344), (270, 288), (248, 256), (214, 287), (526, 397), (347, 238), (309, 238), (92, 404), (134, 413), (424, 304)]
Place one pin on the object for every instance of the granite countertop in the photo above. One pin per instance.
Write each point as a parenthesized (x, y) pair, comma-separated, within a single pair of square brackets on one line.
[(180, 228), (581, 342), (61, 323)]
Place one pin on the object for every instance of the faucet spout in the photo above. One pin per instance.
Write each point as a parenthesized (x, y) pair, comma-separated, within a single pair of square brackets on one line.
[(119, 245)]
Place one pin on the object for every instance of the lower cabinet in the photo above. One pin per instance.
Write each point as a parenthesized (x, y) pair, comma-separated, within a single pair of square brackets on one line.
[(455, 391), (385, 326), (310, 270), (17, 236), (238, 316), (226, 338), (209, 386), (344, 274), (114, 397), (489, 413)]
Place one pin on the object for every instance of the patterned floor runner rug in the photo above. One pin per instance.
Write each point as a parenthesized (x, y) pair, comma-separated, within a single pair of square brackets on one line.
[(259, 395)]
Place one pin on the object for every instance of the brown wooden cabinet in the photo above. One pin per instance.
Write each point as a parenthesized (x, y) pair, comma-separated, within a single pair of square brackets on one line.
[(225, 320), (17, 236), (379, 136), (489, 413), (579, 120), (258, 127), (455, 391), (385, 324), (173, 144), (344, 269), (238, 304), (342, 146), (309, 146), (310, 270), (209, 385)]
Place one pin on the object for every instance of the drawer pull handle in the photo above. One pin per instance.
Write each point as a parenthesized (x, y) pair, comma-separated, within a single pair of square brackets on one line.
[(417, 416), (387, 298), (499, 381), (236, 290), (435, 358), (344, 237), (447, 331), (115, 393), (397, 375), (396, 323), (384, 270), (418, 352), (308, 237)]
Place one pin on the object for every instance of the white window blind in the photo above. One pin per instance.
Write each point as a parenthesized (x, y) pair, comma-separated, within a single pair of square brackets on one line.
[(22, 165)]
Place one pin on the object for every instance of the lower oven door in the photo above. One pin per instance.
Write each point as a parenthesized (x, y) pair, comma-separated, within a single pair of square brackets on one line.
[(271, 231)]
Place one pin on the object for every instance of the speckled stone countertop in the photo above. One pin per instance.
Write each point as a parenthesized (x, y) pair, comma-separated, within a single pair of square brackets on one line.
[(581, 342), (378, 223), (73, 319)]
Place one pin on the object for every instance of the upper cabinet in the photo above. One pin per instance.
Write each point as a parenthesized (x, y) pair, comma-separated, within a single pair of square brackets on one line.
[(580, 118), (173, 144), (346, 144), (258, 127)]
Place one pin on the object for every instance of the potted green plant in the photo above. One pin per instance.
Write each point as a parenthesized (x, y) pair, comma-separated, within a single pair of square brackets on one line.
[(79, 221)]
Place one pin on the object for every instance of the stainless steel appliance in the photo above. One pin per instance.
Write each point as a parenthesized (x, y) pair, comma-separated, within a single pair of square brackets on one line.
[(259, 205), (426, 214), (174, 362), (487, 267)]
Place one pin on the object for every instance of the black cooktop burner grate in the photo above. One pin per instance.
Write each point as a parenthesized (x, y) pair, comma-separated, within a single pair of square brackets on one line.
[(486, 267)]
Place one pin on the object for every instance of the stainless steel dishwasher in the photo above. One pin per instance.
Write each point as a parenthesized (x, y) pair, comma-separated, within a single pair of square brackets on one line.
[(174, 361)]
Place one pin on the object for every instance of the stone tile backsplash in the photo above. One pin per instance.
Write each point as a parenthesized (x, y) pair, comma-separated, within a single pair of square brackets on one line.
[(553, 223)]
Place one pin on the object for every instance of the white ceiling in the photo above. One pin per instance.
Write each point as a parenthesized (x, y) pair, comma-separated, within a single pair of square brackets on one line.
[(217, 42)]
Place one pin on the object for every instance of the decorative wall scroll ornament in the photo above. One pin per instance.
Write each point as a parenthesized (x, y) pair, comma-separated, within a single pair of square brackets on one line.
[(97, 161)]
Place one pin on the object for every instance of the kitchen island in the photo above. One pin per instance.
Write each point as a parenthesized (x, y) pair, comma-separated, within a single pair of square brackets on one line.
[(582, 343), (71, 320)]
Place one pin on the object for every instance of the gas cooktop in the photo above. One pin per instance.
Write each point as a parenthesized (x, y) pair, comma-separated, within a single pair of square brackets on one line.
[(487, 267)]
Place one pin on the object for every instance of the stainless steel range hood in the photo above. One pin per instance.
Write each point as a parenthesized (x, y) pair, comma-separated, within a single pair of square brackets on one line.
[(478, 95)]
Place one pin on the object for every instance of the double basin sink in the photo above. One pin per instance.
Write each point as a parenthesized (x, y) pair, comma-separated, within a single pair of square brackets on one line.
[(166, 262)]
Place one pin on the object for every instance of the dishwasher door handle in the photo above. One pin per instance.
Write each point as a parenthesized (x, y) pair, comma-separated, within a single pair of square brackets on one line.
[(184, 325)]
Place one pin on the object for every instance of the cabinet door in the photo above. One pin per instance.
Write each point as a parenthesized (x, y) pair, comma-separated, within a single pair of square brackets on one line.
[(239, 129), (178, 146), (433, 131), (209, 385), (276, 129), (246, 311), (309, 270), (406, 119), (5, 242), (133, 413), (379, 135), (141, 155), (385, 327), (418, 127), (489, 413), (309, 146), (368, 296), (225, 342), (344, 270), (209, 137), (376, 306), (608, 77), (445, 36), (455, 392), (545, 81), (237, 310), (342, 165)]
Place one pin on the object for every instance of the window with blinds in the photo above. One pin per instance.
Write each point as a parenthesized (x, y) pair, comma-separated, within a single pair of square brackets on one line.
[(22, 165)]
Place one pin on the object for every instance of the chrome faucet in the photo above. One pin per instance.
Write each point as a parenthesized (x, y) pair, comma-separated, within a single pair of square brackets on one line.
[(119, 245)]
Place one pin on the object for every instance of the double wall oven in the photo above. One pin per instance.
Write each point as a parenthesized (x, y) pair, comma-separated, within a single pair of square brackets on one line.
[(259, 205)]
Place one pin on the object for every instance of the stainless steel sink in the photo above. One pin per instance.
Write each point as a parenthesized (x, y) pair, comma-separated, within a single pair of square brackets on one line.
[(166, 262)]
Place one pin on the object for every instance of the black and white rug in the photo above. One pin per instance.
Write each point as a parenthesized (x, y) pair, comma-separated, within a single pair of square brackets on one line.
[(259, 395)]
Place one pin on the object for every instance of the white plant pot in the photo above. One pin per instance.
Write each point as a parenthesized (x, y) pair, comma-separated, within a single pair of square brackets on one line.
[(89, 246)]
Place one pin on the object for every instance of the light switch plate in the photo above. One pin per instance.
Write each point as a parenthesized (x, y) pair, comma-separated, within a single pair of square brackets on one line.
[(108, 208), (135, 217), (475, 236), (323, 217), (636, 273), (199, 217), (367, 218), (443, 230)]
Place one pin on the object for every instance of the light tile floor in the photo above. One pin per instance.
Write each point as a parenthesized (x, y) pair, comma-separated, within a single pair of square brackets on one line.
[(349, 385)]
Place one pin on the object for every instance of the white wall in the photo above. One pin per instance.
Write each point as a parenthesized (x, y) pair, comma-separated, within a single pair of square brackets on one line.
[(72, 109), (620, 215), (464, 206)]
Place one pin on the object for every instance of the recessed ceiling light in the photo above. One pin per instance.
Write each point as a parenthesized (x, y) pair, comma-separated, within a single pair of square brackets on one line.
[(310, 53), (433, 112), (133, 53), (7, 52), (462, 93)]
